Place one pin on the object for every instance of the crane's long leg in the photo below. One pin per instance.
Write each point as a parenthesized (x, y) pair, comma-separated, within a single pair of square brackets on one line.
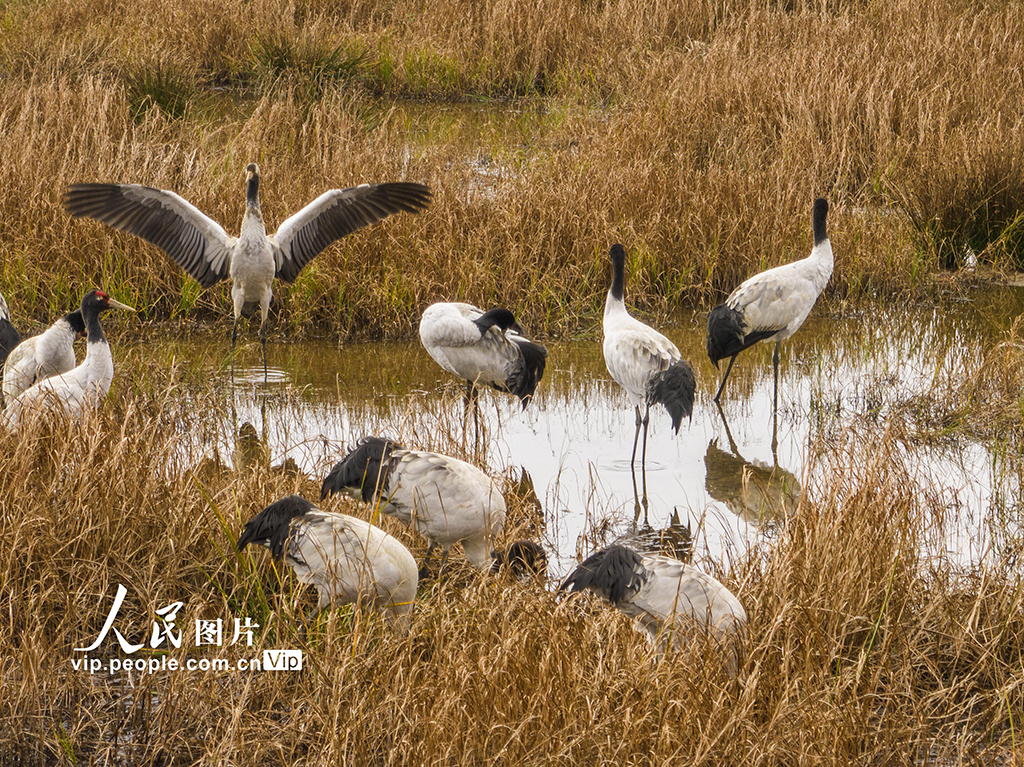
[(643, 459), (725, 378), (775, 365), (636, 436), (425, 567), (264, 312), (636, 499)]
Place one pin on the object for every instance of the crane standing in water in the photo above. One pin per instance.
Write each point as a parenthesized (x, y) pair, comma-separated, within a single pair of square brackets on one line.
[(772, 305)]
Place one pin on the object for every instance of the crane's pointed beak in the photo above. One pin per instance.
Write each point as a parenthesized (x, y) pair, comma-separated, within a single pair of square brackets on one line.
[(119, 305)]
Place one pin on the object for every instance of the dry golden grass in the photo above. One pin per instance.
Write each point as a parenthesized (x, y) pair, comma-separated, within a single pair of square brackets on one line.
[(861, 649), (698, 134)]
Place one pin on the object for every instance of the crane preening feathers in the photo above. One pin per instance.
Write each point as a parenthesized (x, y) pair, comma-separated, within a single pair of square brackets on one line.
[(252, 260), (772, 305), (483, 348)]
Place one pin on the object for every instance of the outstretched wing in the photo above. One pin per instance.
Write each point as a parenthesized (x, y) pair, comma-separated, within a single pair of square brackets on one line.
[(195, 241), (336, 213)]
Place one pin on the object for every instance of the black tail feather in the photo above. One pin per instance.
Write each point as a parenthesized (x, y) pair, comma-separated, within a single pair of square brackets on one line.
[(270, 527), (725, 334), (523, 382), (674, 388), (366, 467), (616, 573)]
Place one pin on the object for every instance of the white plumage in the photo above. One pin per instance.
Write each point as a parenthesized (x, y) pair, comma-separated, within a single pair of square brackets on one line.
[(252, 260), (643, 361), (348, 560), (50, 353), (83, 387), (772, 305), (483, 348), (669, 599), (445, 500)]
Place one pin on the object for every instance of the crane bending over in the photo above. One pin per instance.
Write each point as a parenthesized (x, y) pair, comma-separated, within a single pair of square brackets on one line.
[(252, 260), (347, 559), (772, 305), (445, 500), (669, 599), (642, 361)]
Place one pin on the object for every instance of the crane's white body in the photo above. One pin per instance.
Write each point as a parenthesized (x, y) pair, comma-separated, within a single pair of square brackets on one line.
[(452, 340), (670, 600), (50, 353), (447, 501), (782, 297), (676, 597), (83, 387), (350, 561), (634, 353)]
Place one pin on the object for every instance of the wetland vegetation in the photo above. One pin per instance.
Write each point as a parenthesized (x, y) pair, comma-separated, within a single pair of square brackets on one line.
[(876, 548)]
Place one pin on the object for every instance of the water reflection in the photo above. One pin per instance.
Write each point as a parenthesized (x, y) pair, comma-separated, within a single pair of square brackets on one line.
[(760, 492), (725, 477)]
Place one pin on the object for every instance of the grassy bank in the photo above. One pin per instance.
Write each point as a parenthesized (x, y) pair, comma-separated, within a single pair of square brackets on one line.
[(861, 648), (696, 134)]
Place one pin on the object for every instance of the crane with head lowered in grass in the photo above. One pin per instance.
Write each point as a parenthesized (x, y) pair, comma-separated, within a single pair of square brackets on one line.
[(349, 560), (252, 260), (643, 361), (772, 305), (445, 500), (669, 599)]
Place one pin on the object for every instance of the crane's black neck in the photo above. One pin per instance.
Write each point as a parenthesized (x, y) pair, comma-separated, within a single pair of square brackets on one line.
[(76, 321), (618, 256), (91, 316), (818, 220), (252, 192)]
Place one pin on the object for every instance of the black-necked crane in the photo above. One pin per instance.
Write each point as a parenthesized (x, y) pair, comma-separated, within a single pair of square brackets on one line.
[(87, 384), (9, 337), (50, 353), (772, 305), (642, 361), (445, 500), (252, 260), (669, 599), (348, 560), (483, 348)]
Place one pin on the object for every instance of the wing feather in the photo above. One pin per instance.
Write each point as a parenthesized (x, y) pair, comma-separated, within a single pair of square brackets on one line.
[(196, 242), (337, 213)]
